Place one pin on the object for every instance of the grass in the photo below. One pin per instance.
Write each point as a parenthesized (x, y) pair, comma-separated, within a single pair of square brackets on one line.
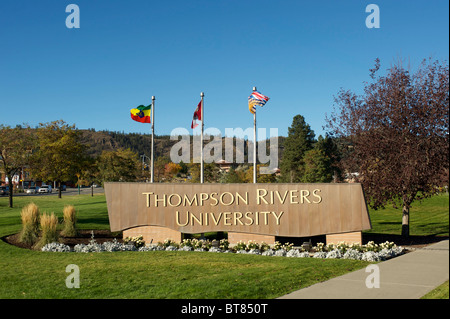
[(161, 275), (441, 292), (427, 217), (34, 274), (30, 224)]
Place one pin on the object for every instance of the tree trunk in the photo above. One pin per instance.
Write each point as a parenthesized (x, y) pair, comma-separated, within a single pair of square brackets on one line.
[(405, 221), (10, 184), (59, 189)]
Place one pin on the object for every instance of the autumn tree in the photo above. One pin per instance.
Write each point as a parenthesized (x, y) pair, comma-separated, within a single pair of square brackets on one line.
[(121, 165), (260, 178), (60, 155), (397, 134), (160, 167), (171, 170), (16, 145)]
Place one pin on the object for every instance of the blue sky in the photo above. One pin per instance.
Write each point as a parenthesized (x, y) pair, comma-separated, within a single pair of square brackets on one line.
[(299, 53)]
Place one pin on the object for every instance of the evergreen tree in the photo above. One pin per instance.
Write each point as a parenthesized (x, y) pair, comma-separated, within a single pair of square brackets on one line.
[(232, 176), (300, 140), (321, 162)]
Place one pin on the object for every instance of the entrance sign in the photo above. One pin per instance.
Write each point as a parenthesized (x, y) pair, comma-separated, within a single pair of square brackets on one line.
[(288, 210)]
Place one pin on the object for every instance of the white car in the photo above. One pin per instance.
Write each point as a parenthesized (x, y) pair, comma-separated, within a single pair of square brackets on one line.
[(31, 190), (45, 189)]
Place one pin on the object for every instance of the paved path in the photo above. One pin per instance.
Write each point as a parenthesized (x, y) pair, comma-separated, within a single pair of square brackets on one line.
[(409, 276)]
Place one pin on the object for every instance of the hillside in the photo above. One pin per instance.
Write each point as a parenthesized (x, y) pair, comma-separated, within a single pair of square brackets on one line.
[(99, 141)]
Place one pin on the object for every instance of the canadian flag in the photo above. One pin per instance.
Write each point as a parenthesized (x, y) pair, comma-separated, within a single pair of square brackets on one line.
[(197, 115)]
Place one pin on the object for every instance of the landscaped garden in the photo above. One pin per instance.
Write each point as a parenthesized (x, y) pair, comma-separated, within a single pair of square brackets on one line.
[(137, 270)]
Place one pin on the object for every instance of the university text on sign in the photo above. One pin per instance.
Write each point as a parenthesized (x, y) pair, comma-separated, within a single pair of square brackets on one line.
[(230, 218)]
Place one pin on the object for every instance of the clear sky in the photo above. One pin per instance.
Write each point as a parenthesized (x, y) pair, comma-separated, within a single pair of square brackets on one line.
[(298, 53)]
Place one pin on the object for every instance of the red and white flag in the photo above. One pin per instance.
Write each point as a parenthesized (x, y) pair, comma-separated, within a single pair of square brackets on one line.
[(197, 115)]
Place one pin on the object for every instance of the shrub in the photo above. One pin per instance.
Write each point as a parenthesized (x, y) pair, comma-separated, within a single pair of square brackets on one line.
[(56, 247), (168, 242), (30, 224), (252, 245), (297, 253), (136, 241), (224, 244), (48, 230), (240, 246), (268, 252), (334, 254), (70, 219), (352, 253)]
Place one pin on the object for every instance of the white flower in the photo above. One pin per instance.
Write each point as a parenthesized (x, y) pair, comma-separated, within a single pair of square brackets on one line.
[(370, 256), (320, 254), (352, 254), (334, 254), (268, 252), (56, 247), (280, 253)]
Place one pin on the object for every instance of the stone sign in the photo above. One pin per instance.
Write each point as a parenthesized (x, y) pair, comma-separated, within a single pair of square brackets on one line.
[(288, 210)]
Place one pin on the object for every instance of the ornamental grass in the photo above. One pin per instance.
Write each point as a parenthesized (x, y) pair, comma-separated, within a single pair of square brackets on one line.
[(30, 216), (48, 230), (70, 219)]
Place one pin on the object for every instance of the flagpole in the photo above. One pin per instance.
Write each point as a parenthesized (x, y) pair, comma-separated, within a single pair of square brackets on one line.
[(254, 144), (152, 160), (201, 138)]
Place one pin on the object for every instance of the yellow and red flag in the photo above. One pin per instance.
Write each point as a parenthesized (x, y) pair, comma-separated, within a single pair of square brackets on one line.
[(141, 114)]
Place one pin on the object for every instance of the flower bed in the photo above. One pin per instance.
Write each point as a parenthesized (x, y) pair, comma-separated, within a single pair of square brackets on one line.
[(368, 252)]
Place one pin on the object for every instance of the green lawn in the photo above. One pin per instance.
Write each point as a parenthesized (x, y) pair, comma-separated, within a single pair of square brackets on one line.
[(441, 292), (34, 274), (428, 217)]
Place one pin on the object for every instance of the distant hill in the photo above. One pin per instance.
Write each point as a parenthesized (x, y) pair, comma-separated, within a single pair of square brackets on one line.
[(99, 141)]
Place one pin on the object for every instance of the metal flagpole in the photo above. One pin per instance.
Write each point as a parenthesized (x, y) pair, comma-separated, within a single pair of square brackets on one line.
[(201, 138), (152, 159), (254, 144)]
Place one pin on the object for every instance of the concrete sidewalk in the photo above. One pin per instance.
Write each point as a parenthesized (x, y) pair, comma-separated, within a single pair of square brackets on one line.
[(409, 276)]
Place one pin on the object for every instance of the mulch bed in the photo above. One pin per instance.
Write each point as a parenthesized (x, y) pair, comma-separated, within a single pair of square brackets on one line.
[(84, 236)]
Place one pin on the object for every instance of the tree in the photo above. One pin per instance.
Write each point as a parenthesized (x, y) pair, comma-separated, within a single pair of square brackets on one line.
[(60, 155), (397, 134), (211, 172), (300, 140), (121, 165), (316, 167), (260, 178), (16, 145), (232, 176), (160, 167), (172, 169), (320, 162)]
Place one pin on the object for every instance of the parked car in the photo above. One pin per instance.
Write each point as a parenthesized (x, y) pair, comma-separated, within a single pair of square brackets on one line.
[(4, 190), (31, 190), (63, 188), (45, 189)]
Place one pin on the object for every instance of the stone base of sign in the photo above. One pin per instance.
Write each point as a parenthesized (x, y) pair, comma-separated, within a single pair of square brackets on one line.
[(153, 234), (351, 238), (234, 238)]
